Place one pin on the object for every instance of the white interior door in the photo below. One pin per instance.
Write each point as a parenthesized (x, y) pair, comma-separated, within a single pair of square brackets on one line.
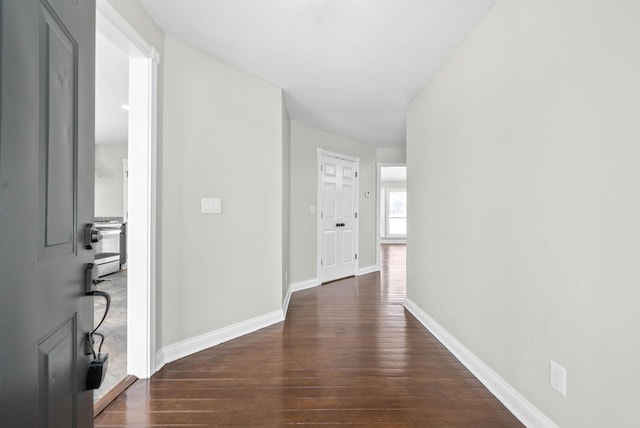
[(338, 217)]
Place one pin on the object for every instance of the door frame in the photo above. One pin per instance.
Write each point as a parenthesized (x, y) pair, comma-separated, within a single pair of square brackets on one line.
[(379, 166), (143, 97), (356, 160)]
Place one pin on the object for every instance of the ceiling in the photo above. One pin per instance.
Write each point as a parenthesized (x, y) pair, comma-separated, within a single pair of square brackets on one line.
[(346, 66), (112, 91)]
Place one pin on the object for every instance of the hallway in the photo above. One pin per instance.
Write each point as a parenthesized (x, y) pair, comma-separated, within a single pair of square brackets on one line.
[(347, 354)]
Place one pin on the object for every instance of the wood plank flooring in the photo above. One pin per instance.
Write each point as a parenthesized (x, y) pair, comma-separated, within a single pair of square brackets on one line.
[(348, 355)]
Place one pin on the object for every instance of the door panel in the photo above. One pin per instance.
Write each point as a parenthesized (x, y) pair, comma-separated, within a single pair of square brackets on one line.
[(330, 203), (57, 373), (338, 220), (57, 137), (330, 168), (347, 201), (347, 246), (331, 248), (46, 196)]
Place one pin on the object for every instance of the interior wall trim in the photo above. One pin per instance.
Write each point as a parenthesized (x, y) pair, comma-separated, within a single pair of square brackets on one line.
[(199, 343), (128, 31), (521, 408)]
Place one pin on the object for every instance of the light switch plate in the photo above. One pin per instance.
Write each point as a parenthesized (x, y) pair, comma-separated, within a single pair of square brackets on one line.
[(211, 206)]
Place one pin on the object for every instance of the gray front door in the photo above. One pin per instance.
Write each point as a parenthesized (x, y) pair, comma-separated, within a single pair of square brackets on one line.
[(46, 197)]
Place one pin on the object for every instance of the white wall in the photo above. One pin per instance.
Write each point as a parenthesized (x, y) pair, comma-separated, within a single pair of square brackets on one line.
[(304, 144), (391, 155), (109, 186), (394, 184), (222, 138), (523, 170)]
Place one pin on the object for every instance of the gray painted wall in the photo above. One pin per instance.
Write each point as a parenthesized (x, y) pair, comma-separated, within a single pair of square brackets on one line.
[(223, 128), (524, 210), (286, 198), (222, 138), (304, 192)]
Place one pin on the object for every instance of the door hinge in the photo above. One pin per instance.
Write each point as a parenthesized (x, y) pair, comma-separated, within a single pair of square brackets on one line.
[(356, 215), (321, 262), (356, 174), (321, 214), (356, 257), (321, 167)]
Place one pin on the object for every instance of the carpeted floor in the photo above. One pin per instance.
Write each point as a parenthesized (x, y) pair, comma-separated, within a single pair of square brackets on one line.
[(114, 328)]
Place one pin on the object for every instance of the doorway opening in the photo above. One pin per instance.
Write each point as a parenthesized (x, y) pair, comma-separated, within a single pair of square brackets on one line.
[(112, 125), (126, 80), (392, 207)]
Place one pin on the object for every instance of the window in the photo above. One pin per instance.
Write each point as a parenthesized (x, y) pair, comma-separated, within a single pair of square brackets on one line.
[(397, 213)]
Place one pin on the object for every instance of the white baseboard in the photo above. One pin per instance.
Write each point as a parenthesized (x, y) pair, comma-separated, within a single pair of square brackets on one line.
[(303, 285), (522, 409), (159, 360), (285, 303), (196, 344), (368, 269)]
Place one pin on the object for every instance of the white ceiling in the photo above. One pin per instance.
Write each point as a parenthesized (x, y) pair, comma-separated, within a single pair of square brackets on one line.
[(112, 91), (347, 66)]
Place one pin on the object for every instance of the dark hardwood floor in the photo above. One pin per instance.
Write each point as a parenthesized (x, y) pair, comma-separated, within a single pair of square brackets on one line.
[(347, 355)]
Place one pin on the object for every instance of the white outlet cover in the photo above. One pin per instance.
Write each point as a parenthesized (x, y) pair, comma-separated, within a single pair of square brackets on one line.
[(558, 377)]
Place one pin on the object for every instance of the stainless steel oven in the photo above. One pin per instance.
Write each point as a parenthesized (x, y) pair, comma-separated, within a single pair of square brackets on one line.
[(109, 251)]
